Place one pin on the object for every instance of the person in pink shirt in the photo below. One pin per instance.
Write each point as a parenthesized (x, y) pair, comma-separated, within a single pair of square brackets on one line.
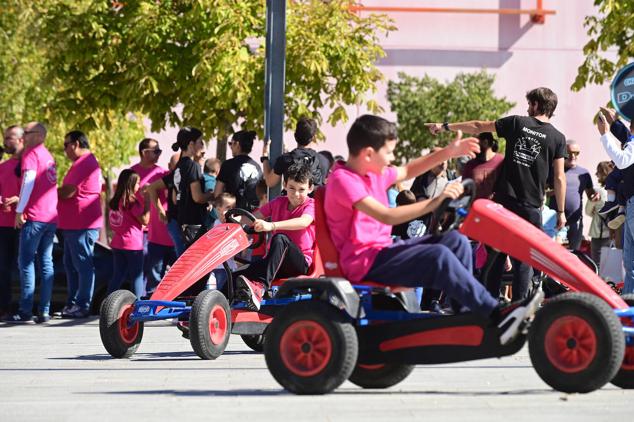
[(127, 217), (80, 218), (360, 223), (158, 245), (9, 190), (36, 216), (293, 242)]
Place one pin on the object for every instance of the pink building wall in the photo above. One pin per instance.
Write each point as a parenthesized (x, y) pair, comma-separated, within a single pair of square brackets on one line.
[(521, 54)]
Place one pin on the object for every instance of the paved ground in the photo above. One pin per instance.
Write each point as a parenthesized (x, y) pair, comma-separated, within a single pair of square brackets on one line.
[(61, 372)]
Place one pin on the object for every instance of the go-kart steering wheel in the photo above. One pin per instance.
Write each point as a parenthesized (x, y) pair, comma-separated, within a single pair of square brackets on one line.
[(257, 237), (459, 206)]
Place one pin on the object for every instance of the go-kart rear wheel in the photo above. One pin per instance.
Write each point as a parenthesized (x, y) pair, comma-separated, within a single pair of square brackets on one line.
[(381, 375), (576, 343), (310, 348), (210, 324), (625, 377), (255, 342), (120, 337)]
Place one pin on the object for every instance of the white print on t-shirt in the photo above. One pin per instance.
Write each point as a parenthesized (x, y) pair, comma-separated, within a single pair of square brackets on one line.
[(51, 172), (177, 183), (526, 151), (249, 172), (116, 218), (416, 228), (533, 132)]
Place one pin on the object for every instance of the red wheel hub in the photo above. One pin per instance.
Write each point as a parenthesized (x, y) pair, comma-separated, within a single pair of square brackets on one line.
[(374, 367), (305, 348), (128, 331), (571, 344), (217, 324)]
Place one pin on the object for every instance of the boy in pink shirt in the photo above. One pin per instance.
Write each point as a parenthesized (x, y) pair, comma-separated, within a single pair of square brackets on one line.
[(80, 219), (36, 215), (360, 223), (9, 190), (293, 242)]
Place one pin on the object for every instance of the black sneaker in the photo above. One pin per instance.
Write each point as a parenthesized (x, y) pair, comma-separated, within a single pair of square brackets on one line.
[(617, 221), (514, 317), (78, 313), (42, 319), (607, 207), (19, 319), (251, 292)]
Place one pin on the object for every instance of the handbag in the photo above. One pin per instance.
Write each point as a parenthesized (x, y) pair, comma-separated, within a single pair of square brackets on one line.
[(611, 265)]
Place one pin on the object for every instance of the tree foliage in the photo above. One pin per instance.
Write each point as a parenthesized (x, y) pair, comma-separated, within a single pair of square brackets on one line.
[(208, 57), (613, 27), (417, 101)]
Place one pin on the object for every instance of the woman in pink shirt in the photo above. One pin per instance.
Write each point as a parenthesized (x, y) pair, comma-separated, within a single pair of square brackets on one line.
[(127, 218), (292, 245)]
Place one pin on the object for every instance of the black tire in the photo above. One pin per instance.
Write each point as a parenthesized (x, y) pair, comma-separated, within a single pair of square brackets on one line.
[(119, 338), (255, 342), (576, 343), (310, 348), (625, 377), (380, 376), (210, 324)]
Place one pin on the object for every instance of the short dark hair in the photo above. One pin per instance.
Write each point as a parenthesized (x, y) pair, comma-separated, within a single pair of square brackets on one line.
[(546, 100), (370, 131), (300, 173), (79, 137), (185, 136), (405, 197), (488, 136), (145, 144), (305, 131), (245, 139), (329, 157)]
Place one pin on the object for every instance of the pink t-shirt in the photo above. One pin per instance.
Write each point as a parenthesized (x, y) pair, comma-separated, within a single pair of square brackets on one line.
[(278, 210), (357, 236), (127, 231), (157, 230), (9, 186), (42, 205), (82, 210)]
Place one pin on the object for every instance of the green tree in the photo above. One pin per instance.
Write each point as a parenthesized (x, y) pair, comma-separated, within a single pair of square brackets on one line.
[(612, 27), (417, 101), (207, 57)]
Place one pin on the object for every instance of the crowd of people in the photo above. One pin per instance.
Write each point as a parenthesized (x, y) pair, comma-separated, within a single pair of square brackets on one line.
[(380, 230)]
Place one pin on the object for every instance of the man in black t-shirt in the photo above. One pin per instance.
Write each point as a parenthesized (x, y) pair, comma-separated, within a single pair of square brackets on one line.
[(533, 148), (240, 175), (305, 132)]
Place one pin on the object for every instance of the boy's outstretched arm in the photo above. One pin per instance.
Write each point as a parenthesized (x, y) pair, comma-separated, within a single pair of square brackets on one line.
[(405, 213), (456, 148), (472, 127)]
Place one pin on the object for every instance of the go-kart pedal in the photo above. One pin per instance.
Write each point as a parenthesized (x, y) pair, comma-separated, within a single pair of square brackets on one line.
[(516, 316)]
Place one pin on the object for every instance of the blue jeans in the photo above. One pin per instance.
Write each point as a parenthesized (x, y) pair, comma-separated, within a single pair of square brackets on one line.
[(176, 234), (157, 257), (36, 238), (130, 264), (628, 247), (79, 249), (8, 254)]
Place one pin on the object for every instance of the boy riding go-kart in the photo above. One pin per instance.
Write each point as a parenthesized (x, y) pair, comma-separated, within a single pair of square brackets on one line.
[(372, 332)]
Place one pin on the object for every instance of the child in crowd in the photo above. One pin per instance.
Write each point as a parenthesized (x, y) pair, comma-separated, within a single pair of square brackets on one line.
[(127, 217), (360, 226), (223, 203), (293, 242), (210, 173), (263, 196)]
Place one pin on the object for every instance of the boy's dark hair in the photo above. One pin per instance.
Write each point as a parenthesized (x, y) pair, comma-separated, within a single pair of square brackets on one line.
[(405, 197), (145, 144), (305, 131), (124, 194), (546, 100), (245, 139), (185, 136), (488, 136), (329, 157), (79, 137), (300, 173), (370, 131)]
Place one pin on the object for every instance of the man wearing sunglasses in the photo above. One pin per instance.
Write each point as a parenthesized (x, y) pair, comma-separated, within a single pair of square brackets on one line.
[(158, 247)]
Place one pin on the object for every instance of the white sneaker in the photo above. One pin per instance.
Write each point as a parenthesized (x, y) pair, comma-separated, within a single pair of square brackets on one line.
[(516, 315)]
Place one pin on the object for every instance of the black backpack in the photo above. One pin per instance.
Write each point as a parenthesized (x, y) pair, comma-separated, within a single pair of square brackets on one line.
[(311, 158)]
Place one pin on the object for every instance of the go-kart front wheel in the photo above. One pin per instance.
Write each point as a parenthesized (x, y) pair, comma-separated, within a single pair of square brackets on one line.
[(382, 375), (210, 324), (120, 337), (625, 377), (576, 343), (310, 348), (255, 342)]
